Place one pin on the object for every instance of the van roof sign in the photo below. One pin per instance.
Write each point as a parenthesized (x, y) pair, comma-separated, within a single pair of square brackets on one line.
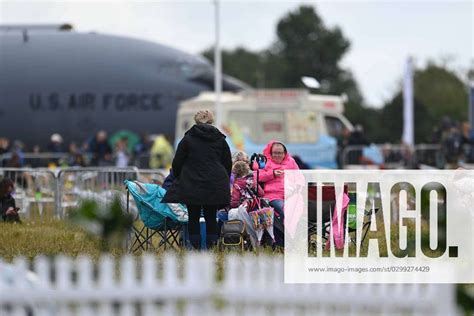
[(329, 105), (274, 99), (277, 96), (264, 94)]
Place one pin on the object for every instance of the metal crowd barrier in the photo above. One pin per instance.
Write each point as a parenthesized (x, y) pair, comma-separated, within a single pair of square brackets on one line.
[(152, 175), (100, 184), (51, 193), (45, 192), (394, 157), (35, 190), (436, 156), (429, 156)]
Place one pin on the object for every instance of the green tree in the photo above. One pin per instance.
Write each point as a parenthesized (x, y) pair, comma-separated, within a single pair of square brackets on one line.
[(442, 91), (241, 64), (305, 46), (389, 127), (438, 92), (311, 48)]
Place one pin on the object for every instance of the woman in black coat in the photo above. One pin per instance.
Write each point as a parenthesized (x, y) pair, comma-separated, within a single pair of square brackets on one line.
[(202, 167)]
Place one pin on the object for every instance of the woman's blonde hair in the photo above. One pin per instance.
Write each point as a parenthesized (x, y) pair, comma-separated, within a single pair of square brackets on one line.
[(240, 169), (239, 156), (204, 117)]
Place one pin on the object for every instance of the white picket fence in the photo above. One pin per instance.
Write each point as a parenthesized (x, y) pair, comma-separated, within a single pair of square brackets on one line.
[(189, 285)]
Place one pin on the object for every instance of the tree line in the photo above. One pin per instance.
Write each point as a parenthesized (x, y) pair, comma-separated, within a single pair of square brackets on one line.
[(306, 46)]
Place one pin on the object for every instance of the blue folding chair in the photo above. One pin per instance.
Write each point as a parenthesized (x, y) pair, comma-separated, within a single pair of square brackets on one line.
[(166, 222)]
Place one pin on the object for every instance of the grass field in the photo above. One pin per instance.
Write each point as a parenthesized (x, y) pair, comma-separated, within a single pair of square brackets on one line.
[(47, 237), (54, 237)]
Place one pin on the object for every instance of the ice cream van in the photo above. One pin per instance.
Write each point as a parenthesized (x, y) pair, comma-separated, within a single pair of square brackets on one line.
[(308, 124)]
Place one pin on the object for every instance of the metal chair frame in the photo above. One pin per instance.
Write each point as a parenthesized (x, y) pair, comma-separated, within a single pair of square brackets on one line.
[(171, 235)]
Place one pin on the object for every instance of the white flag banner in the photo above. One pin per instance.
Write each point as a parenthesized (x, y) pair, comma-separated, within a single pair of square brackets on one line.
[(408, 96), (471, 104)]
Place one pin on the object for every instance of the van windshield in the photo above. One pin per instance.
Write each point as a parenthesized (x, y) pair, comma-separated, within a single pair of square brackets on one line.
[(334, 125)]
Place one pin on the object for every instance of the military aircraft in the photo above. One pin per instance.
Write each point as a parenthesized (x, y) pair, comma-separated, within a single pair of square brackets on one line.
[(56, 80)]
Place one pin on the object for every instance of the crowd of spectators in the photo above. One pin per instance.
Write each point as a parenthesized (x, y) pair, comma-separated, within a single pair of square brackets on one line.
[(455, 141), (98, 151)]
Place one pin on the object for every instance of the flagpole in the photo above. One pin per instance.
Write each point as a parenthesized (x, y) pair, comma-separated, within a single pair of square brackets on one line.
[(217, 68)]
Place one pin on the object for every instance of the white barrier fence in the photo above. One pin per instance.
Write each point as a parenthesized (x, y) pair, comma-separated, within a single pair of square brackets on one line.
[(193, 285)]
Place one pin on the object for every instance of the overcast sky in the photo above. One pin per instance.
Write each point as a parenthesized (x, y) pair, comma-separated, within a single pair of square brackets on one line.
[(382, 33)]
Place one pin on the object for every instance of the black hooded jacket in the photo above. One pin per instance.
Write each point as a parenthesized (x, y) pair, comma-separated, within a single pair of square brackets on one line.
[(202, 167)]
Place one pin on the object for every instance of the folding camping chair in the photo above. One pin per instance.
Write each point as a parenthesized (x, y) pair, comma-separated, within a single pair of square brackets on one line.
[(163, 224), (365, 227), (328, 205), (313, 237)]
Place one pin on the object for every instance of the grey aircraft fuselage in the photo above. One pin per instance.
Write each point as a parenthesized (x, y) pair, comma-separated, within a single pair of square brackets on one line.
[(78, 83)]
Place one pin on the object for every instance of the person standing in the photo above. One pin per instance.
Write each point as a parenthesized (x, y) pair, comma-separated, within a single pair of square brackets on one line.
[(201, 166), (100, 149), (122, 157), (161, 153), (358, 140)]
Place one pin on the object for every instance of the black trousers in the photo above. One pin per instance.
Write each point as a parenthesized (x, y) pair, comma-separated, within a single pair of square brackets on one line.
[(194, 213)]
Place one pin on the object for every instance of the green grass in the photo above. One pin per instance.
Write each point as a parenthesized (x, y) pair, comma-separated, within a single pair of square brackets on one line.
[(54, 237), (47, 237)]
